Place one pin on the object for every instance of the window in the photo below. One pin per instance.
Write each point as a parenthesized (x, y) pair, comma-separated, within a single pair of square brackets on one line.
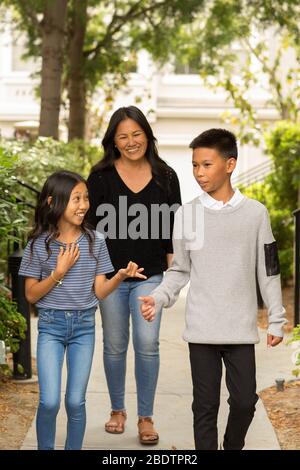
[(189, 68)]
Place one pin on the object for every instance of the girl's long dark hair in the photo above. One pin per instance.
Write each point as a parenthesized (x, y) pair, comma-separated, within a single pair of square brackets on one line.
[(59, 186), (160, 170)]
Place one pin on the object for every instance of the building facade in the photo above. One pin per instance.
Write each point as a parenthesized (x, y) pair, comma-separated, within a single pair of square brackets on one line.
[(178, 106)]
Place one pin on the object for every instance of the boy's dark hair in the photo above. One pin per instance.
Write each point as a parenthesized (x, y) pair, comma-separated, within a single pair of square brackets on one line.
[(220, 139)]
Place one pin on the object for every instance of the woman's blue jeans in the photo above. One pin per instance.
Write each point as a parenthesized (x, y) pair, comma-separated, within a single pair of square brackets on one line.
[(116, 310), (72, 331)]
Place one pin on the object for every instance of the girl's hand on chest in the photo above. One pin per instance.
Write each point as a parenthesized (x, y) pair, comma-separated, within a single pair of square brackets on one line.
[(66, 258)]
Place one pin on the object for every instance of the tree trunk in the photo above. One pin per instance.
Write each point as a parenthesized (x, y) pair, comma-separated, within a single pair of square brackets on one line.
[(76, 78), (52, 64)]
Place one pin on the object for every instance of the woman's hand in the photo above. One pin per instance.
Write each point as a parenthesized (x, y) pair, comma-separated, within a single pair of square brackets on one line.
[(132, 270), (66, 259)]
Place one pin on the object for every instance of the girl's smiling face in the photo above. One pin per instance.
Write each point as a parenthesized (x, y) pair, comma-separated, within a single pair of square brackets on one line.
[(78, 205)]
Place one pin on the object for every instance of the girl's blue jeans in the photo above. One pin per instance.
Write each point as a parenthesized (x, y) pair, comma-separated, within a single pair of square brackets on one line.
[(116, 311), (73, 332)]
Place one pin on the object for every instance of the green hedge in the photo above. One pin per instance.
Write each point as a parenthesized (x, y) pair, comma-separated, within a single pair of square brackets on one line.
[(32, 163), (279, 191)]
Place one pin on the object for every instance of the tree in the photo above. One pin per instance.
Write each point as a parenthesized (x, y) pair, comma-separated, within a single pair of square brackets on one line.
[(239, 45), (110, 33), (53, 33), (76, 74), (243, 46), (43, 21), (99, 36)]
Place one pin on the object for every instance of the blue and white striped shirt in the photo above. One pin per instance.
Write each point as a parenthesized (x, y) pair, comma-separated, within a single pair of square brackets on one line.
[(76, 291)]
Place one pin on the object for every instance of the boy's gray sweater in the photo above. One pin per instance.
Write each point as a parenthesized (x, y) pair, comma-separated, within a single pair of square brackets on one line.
[(221, 305)]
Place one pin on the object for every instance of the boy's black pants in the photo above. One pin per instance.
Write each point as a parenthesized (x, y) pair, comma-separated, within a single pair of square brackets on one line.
[(206, 364)]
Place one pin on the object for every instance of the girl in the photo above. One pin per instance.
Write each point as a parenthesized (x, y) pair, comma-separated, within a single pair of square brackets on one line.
[(65, 265)]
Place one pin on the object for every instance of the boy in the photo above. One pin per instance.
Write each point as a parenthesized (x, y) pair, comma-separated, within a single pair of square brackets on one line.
[(221, 307)]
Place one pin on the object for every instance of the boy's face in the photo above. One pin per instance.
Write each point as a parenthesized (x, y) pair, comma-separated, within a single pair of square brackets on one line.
[(211, 171)]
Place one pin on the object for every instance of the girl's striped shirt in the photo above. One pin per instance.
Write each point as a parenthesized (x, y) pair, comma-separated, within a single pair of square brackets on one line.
[(76, 291)]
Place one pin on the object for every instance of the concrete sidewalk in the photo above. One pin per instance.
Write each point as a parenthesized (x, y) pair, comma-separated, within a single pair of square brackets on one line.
[(173, 416)]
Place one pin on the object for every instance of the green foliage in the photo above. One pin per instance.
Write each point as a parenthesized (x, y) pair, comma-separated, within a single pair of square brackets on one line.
[(283, 145), (13, 222), (282, 225), (46, 155), (279, 191), (12, 324), (12, 327), (113, 34), (295, 341), (33, 163), (13, 215), (244, 45), (161, 24)]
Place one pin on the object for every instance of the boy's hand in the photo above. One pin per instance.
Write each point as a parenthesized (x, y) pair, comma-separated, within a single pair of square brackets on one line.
[(147, 307), (132, 270), (66, 259), (273, 340)]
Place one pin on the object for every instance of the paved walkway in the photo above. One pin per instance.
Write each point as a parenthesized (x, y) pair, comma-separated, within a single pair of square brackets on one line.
[(173, 416)]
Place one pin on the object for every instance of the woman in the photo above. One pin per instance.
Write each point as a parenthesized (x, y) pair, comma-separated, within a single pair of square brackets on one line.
[(126, 189)]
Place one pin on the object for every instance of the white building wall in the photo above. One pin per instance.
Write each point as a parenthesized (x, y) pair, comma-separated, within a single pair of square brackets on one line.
[(183, 109), (178, 107), (17, 97)]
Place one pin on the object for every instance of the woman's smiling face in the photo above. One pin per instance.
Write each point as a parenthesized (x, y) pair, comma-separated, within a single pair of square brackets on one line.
[(131, 140)]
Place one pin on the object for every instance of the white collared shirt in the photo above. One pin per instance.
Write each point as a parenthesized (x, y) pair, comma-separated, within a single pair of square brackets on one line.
[(212, 203)]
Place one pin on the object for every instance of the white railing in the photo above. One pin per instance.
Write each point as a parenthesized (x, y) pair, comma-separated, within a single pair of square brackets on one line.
[(254, 175)]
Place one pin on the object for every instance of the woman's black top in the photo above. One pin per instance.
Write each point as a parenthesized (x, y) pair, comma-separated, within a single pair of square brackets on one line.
[(135, 225)]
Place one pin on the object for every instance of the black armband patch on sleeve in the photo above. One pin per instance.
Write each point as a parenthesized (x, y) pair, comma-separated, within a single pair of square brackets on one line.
[(271, 259)]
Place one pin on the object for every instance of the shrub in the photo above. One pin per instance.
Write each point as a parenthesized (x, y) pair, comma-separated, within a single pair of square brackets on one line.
[(33, 163), (283, 145), (295, 342), (282, 225), (12, 326), (12, 323), (13, 215), (279, 191)]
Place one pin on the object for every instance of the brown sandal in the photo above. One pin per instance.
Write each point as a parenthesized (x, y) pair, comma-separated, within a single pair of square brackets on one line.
[(116, 424), (147, 433)]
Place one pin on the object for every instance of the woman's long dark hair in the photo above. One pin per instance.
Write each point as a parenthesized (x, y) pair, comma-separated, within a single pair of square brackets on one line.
[(59, 186), (159, 167)]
